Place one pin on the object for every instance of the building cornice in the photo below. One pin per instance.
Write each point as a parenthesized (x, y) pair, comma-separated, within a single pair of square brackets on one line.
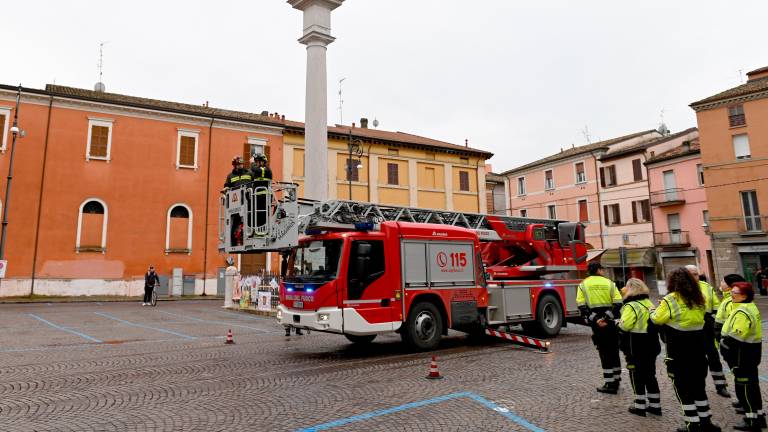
[(729, 101)]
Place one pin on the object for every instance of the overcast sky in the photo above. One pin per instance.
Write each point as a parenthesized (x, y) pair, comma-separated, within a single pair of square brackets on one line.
[(521, 79)]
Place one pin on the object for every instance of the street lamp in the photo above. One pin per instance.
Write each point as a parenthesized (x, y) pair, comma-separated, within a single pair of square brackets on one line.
[(16, 132), (355, 147)]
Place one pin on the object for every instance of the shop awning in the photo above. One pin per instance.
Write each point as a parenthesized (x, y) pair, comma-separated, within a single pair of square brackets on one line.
[(594, 253), (638, 257)]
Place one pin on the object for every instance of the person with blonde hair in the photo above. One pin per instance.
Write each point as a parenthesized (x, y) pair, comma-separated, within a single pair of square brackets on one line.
[(640, 345)]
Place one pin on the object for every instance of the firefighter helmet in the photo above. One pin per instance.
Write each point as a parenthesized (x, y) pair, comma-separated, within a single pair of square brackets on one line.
[(259, 157), (237, 160)]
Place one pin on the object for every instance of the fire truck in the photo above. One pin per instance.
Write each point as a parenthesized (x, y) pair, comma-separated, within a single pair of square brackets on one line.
[(361, 269)]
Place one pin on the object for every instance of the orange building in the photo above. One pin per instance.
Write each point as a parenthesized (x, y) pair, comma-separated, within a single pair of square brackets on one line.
[(733, 128), (106, 184)]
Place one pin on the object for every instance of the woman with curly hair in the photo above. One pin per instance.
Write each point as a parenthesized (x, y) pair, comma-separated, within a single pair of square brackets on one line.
[(681, 317)]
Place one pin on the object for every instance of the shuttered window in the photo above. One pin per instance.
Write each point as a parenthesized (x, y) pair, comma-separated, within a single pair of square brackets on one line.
[(583, 211), (187, 148), (551, 212), (637, 169), (464, 181), (99, 141), (581, 176), (549, 181), (641, 211), (612, 214), (2, 130), (352, 171), (736, 116), (392, 174)]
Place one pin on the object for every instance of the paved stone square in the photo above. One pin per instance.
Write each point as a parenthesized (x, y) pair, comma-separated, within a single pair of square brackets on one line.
[(123, 367)]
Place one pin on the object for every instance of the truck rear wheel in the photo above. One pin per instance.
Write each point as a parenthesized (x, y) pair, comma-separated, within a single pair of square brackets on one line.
[(549, 317), (360, 339), (423, 328)]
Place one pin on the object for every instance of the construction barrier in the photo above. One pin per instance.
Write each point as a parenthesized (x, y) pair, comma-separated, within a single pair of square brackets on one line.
[(541, 344)]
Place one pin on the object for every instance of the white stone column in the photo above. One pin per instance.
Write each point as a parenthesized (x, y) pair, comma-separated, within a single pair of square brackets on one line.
[(316, 36), (507, 198), (448, 176), (373, 178), (482, 197), (413, 184)]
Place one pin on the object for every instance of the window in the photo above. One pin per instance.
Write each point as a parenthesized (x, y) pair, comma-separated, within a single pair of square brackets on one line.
[(551, 212), (5, 120), (523, 213), (352, 171), (393, 152), (255, 146), (752, 220), (549, 181), (705, 218), (736, 116), (178, 229), (99, 139), (612, 214), (641, 211), (464, 181), (366, 265), (741, 146), (186, 149), (700, 172), (583, 211), (92, 226), (608, 176), (392, 177), (581, 175), (637, 169), (520, 186)]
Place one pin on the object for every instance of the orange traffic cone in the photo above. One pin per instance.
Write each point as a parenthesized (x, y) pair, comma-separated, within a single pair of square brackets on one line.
[(433, 372), (229, 337)]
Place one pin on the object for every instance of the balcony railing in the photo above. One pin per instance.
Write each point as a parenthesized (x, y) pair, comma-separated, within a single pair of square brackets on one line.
[(753, 224), (668, 197), (673, 238)]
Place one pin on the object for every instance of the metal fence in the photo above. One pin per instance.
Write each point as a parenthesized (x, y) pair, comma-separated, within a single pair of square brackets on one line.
[(253, 287)]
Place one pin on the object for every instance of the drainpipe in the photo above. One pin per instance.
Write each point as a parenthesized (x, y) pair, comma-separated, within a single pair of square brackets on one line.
[(599, 205), (40, 198), (207, 198), (653, 224)]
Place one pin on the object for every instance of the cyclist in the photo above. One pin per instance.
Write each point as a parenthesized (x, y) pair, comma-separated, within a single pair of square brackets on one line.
[(150, 281)]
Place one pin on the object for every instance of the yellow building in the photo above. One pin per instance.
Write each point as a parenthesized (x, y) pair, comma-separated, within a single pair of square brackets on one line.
[(395, 168)]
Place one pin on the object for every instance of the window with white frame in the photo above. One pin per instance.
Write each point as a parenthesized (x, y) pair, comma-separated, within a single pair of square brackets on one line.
[(186, 148), (521, 185), (256, 146), (581, 174), (178, 229), (612, 214), (551, 211), (700, 173), (741, 146), (92, 226), (549, 180), (5, 122), (99, 139)]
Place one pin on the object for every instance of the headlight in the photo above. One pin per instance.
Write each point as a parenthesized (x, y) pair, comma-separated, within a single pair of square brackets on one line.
[(323, 317), (279, 315)]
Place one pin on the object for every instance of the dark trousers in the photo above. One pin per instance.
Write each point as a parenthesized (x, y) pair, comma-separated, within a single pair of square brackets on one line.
[(713, 356), (748, 392), (688, 375), (148, 293), (606, 341), (642, 376)]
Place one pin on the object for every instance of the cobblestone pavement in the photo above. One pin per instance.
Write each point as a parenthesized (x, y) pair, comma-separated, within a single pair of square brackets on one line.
[(123, 367)]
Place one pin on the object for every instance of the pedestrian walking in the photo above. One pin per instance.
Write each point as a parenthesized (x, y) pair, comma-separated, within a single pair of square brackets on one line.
[(741, 345), (598, 299), (722, 314), (681, 317), (640, 344), (760, 275), (150, 281), (711, 304)]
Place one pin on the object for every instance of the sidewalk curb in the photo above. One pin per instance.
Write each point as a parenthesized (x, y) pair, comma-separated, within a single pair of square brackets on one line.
[(23, 300), (253, 311)]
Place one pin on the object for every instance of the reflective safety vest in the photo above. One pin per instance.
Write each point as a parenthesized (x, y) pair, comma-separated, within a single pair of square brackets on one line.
[(711, 301), (597, 292), (634, 316), (743, 324), (243, 178), (672, 311), (725, 309)]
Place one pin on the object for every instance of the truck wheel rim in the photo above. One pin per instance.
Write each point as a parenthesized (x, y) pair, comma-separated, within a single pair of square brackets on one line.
[(550, 318), (425, 325)]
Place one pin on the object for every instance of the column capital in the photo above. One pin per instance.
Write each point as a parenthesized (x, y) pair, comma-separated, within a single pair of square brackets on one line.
[(304, 4)]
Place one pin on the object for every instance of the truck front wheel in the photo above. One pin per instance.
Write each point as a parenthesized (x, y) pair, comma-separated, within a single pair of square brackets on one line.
[(423, 328)]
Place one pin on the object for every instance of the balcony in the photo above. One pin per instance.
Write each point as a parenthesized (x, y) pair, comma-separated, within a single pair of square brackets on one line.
[(753, 225), (673, 238), (668, 197)]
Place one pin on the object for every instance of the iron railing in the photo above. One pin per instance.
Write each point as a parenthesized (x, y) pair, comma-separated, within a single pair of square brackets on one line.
[(670, 196), (672, 238)]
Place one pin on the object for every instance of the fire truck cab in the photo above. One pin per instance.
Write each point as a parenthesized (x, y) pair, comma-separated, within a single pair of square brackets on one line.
[(414, 278)]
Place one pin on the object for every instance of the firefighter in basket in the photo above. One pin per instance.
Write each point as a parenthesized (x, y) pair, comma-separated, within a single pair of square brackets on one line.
[(238, 177), (262, 179)]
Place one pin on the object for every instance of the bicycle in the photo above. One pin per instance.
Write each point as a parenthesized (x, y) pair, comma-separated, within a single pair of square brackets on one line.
[(153, 299)]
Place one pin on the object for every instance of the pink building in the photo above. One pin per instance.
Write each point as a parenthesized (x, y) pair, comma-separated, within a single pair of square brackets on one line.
[(679, 208), (565, 185)]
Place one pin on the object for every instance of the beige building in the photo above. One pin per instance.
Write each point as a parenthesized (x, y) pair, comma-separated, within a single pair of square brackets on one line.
[(393, 168)]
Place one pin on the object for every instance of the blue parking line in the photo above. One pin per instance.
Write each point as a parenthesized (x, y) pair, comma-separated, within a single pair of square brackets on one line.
[(106, 315), (485, 402), (215, 322), (68, 330)]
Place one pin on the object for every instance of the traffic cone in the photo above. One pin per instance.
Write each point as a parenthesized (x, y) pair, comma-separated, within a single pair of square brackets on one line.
[(229, 337), (433, 372)]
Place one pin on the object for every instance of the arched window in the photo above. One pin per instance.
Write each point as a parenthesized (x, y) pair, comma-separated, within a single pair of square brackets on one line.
[(92, 226), (178, 231)]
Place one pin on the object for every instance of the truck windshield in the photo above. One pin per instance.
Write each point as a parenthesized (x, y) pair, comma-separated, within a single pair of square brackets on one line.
[(316, 261)]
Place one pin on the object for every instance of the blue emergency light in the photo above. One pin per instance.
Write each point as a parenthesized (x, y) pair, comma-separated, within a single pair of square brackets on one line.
[(364, 226)]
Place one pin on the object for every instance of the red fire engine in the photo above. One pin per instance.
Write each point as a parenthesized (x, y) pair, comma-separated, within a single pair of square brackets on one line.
[(362, 269)]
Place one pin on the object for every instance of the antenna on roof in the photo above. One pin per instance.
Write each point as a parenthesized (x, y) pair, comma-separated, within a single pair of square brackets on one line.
[(663, 129), (341, 103), (585, 132), (375, 122), (741, 76), (99, 87)]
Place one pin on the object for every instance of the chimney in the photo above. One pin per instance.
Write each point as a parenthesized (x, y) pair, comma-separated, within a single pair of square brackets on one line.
[(686, 145), (757, 74), (466, 142), (353, 125), (265, 113), (364, 123)]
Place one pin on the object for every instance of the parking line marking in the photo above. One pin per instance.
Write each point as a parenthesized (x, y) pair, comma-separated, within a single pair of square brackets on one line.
[(477, 398), (68, 330), (215, 322), (106, 315)]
